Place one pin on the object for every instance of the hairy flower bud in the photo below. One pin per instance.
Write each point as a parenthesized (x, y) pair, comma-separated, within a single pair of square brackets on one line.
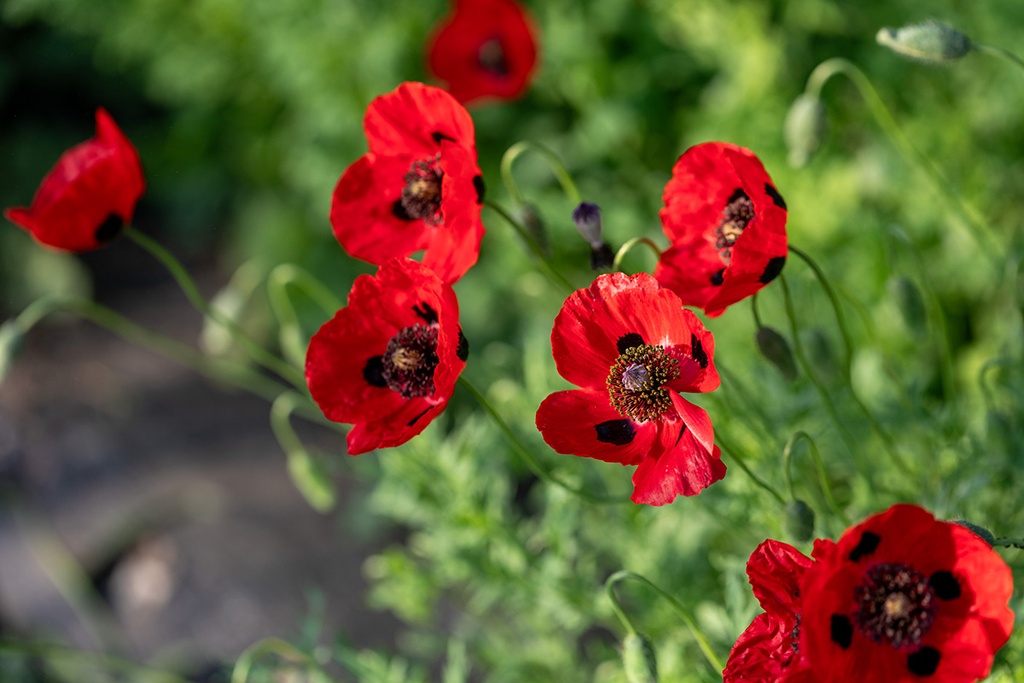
[(531, 219), (638, 659), (775, 348), (931, 42), (799, 520), (910, 303), (804, 129), (587, 217), (981, 531)]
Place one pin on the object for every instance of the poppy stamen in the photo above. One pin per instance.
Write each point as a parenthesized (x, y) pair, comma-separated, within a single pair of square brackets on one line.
[(491, 57), (736, 216), (897, 605), (636, 379), (421, 196), (409, 361)]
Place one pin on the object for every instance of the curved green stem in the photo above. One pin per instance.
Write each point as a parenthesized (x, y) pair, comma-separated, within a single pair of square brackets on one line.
[(557, 167), (1001, 53), (529, 458), (83, 659), (684, 614), (1007, 542), (844, 331), (306, 471), (754, 310), (545, 265), (975, 224), (734, 454), (629, 245), (826, 488), (284, 650), (191, 291), (222, 371), (293, 343)]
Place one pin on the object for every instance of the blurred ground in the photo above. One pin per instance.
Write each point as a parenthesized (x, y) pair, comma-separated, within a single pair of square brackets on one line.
[(171, 493)]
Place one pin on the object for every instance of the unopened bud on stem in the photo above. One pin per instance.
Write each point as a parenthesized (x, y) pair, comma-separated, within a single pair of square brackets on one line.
[(931, 42), (587, 217), (638, 659), (804, 129)]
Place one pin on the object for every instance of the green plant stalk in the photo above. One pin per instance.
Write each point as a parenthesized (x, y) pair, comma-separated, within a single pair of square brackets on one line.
[(284, 650), (232, 374), (999, 52), (55, 652), (624, 250), (734, 454), (293, 345), (535, 249), (529, 458), (976, 226), (557, 167), (684, 614), (1007, 542), (826, 488), (259, 354)]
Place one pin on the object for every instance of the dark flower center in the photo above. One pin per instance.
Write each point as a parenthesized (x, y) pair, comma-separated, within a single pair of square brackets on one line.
[(421, 196), (408, 363), (635, 382), (491, 57), (736, 216), (897, 605)]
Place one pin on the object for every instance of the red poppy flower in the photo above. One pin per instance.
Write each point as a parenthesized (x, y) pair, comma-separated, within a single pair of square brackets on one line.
[(727, 225), (904, 597), (419, 187), (632, 348), (486, 48), (388, 361), (768, 651), (89, 195)]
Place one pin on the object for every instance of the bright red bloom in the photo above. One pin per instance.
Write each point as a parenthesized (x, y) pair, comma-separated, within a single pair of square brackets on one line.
[(89, 195), (727, 225), (768, 651), (905, 597), (486, 48), (632, 348), (388, 361), (419, 187)]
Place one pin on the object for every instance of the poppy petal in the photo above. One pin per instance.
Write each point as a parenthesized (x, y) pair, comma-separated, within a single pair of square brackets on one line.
[(582, 422)]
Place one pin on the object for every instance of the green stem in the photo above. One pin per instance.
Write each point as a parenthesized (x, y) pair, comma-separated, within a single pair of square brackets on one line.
[(293, 343), (83, 659), (1007, 542), (757, 314), (259, 354), (826, 488), (546, 266), (529, 458), (684, 614), (222, 371), (975, 224), (620, 255), (1000, 52), (284, 650), (513, 152), (734, 454)]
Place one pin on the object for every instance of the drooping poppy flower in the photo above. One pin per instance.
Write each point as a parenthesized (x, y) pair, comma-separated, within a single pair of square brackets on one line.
[(485, 48), (418, 188), (388, 361), (727, 226), (768, 650), (633, 349), (89, 195), (904, 597)]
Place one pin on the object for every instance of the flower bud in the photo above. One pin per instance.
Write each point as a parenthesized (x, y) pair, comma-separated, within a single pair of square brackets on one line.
[(11, 336), (931, 42), (799, 520), (985, 534), (587, 217), (775, 348), (638, 659), (909, 302), (529, 216), (804, 129)]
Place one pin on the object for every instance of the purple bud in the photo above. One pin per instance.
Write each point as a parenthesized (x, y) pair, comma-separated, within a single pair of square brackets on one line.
[(587, 217)]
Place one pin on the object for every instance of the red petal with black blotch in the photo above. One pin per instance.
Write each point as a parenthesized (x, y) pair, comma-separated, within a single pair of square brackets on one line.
[(583, 422), (677, 466), (970, 624), (413, 119), (594, 322), (485, 48), (455, 244), (92, 182), (403, 293), (703, 180)]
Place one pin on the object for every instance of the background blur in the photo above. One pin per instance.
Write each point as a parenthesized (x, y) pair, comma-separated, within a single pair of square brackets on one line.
[(160, 503)]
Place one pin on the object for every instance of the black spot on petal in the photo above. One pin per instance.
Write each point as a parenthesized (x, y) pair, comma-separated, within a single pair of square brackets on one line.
[(945, 585), (924, 662), (399, 212), (428, 313), (615, 432), (109, 229), (841, 630), (868, 544), (774, 194), (772, 270), (463, 349), (697, 351), (416, 419), (438, 136), (680, 437), (718, 277), (373, 372), (481, 188), (628, 341)]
